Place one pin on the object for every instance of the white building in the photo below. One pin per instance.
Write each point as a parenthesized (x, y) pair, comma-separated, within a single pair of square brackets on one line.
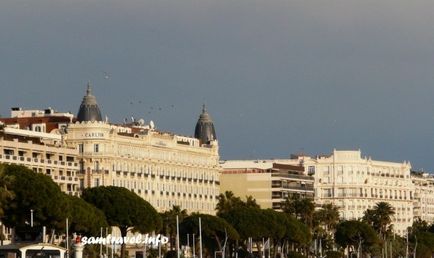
[(354, 183), (163, 168), (423, 196), (43, 153)]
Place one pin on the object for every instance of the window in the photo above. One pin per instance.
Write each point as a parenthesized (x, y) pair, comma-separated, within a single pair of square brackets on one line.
[(96, 147), (81, 165), (96, 182), (327, 192), (311, 170), (81, 148)]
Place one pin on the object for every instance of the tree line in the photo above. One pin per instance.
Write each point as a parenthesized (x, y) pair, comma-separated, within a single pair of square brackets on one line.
[(240, 228)]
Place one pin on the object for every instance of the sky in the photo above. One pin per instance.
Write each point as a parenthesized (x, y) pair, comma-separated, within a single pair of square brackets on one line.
[(277, 76)]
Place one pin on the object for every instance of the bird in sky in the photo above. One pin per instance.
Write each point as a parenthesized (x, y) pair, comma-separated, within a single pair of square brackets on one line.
[(106, 75)]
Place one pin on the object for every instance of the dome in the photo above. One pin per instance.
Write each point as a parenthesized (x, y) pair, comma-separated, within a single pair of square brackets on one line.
[(204, 130), (89, 110)]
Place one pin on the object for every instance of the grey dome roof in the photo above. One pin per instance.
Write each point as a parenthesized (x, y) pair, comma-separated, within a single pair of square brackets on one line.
[(89, 110), (204, 130)]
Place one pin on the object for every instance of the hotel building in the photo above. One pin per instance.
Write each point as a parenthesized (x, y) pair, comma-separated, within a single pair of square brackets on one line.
[(354, 183), (423, 196), (163, 168)]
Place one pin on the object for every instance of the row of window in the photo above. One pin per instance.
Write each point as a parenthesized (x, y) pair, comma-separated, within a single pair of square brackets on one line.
[(387, 172), (162, 155)]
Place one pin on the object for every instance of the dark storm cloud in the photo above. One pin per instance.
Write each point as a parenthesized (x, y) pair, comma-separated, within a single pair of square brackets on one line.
[(278, 76)]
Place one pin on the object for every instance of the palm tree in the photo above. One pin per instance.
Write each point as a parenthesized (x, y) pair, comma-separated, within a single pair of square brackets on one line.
[(228, 201), (380, 218), (328, 216), (383, 212), (301, 208), (324, 224)]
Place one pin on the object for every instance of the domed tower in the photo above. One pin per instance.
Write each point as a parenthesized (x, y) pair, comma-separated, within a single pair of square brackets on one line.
[(204, 130), (89, 110)]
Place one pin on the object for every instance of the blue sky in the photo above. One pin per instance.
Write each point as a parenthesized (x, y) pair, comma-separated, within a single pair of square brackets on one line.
[(278, 76)]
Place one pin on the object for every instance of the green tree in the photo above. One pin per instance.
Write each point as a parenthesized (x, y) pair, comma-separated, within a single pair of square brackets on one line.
[(84, 218), (425, 244), (327, 217), (324, 225), (123, 209), (301, 208), (380, 217), (248, 222), (229, 201), (5, 192), (356, 234), (214, 230), (297, 232), (420, 226), (169, 222), (35, 192)]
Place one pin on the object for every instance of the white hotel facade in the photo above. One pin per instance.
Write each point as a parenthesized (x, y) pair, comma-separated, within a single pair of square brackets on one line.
[(354, 183), (85, 151), (163, 168)]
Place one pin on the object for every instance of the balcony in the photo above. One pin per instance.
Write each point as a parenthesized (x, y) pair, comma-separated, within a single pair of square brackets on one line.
[(276, 195), (293, 176)]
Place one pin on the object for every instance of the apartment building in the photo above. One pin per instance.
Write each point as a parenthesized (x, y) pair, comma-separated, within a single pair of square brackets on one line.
[(268, 183), (351, 182), (423, 196), (43, 153)]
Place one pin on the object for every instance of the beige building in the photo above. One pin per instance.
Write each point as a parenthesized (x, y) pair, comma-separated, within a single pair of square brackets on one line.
[(268, 183), (354, 183), (423, 196), (164, 168), (44, 153)]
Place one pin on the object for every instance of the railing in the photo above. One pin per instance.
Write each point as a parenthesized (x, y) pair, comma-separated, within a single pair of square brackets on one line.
[(295, 187), (30, 161), (294, 176)]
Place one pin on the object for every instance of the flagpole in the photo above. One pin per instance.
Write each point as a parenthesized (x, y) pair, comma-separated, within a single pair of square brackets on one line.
[(200, 237), (269, 248), (106, 244), (67, 238), (177, 237), (194, 247), (144, 250), (188, 244), (100, 246), (113, 249)]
